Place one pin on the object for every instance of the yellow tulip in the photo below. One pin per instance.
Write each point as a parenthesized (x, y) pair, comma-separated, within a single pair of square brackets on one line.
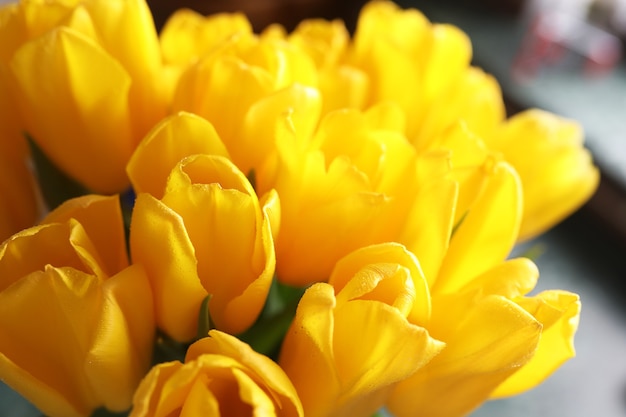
[(76, 322), (559, 313), (424, 68), (174, 138), (498, 342), (241, 74), (557, 173), (19, 207), (353, 339), (488, 337), (187, 35), (100, 93), (341, 84), (209, 234), (221, 376), (485, 229), (357, 179)]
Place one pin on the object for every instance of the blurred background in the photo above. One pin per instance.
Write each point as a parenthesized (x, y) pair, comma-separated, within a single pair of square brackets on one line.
[(567, 57)]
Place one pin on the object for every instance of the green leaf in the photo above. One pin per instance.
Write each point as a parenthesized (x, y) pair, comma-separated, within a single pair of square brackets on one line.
[(268, 332), (458, 224), (204, 318), (56, 186), (167, 349), (103, 412)]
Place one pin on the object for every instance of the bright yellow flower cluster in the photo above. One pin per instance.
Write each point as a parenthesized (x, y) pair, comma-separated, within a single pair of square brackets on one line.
[(321, 221)]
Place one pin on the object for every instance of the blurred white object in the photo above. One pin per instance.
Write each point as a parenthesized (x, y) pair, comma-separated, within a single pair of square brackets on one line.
[(557, 27)]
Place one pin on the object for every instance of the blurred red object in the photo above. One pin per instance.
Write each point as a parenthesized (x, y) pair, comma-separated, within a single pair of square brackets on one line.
[(553, 34)]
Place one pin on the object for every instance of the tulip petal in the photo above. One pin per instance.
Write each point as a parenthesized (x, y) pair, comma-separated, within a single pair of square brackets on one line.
[(101, 217), (35, 248), (170, 264), (558, 312), (428, 235), (266, 371), (117, 21), (388, 254), (475, 97), (484, 345), (46, 349), (512, 278), (344, 87), (174, 138), (488, 231), (19, 207), (448, 57), (310, 337), (257, 135), (123, 340), (94, 122), (234, 87), (390, 350), (187, 35), (200, 401), (233, 244), (556, 171)]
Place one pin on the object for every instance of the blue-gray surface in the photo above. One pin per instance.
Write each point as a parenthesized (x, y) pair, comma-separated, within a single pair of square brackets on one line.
[(593, 383)]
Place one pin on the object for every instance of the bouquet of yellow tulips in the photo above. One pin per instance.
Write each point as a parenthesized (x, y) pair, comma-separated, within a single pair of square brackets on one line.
[(213, 221)]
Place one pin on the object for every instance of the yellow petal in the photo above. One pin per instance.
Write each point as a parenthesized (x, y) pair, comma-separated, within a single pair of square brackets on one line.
[(448, 57), (475, 97), (310, 336), (221, 224), (101, 217), (343, 354), (556, 171), (487, 233), (256, 141), (234, 87), (324, 41), (187, 35), (558, 312), (484, 345), (163, 389), (123, 339), (63, 102), (263, 368), (386, 254), (336, 199), (19, 207), (201, 401), (43, 353), (32, 249), (159, 241), (174, 138), (117, 21), (374, 348), (222, 238), (427, 233), (512, 278), (344, 87), (221, 375)]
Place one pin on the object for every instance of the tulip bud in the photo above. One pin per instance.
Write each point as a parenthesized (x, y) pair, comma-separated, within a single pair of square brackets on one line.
[(208, 235)]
